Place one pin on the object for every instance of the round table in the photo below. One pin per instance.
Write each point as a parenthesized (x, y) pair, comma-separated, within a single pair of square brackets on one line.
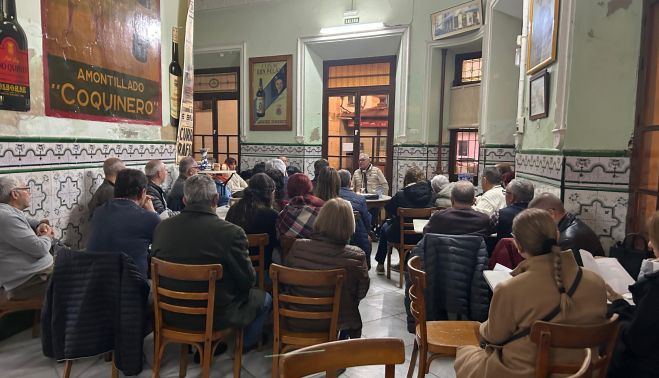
[(378, 204)]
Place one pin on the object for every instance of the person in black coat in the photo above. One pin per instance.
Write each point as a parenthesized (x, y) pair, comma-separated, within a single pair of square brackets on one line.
[(416, 193), (254, 213), (636, 352), (519, 193)]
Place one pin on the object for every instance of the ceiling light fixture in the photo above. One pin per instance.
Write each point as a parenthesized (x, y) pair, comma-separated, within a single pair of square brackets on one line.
[(352, 28)]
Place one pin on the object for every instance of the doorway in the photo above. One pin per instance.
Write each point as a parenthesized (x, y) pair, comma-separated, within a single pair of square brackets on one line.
[(644, 185), (358, 103), (216, 113)]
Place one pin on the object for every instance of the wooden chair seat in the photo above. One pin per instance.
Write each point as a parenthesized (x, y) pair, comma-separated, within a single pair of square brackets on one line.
[(301, 339), (192, 336), (444, 337), (16, 305)]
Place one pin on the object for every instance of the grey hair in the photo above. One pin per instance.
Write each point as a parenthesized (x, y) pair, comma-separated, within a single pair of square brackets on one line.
[(438, 183), (463, 192), (185, 164), (199, 189), (344, 175), (112, 166), (152, 168), (7, 185), (276, 164), (522, 190)]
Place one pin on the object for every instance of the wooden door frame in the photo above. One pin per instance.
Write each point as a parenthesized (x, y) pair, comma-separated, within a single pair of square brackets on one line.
[(390, 90), (218, 96), (632, 223)]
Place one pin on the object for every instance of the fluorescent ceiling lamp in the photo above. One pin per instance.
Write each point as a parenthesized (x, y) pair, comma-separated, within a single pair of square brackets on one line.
[(352, 28)]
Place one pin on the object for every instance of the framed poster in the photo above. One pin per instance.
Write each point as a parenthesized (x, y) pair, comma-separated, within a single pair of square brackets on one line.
[(102, 60), (543, 30), (269, 93), (456, 20), (539, 95)]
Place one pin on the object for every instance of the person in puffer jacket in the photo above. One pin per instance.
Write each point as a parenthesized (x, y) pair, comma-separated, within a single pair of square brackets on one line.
[(416, 193)]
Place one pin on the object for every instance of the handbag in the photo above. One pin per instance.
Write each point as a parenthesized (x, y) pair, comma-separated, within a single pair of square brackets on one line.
[(630, 257)]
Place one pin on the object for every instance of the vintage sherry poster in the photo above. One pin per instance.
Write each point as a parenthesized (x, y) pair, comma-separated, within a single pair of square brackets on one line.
[(102, 60), (186, 122), (270, 94)]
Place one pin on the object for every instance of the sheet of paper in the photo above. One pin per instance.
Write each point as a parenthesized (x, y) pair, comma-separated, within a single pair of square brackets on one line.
[(502, 268), (610, 270), (419, 224), (495, 277)]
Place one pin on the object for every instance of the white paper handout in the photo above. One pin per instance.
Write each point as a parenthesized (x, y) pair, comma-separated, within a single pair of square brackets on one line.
[(609, 269)]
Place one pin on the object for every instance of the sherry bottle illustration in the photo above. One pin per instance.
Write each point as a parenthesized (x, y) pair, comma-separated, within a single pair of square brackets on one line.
[(14, 64), (260, 100), (175, 74)]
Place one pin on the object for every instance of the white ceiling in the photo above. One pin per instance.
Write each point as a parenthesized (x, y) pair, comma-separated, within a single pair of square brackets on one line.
[(510, 7)]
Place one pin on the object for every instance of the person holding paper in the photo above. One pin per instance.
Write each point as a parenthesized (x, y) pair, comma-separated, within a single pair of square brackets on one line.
[(637, 349), (547, 283), (575, 234)]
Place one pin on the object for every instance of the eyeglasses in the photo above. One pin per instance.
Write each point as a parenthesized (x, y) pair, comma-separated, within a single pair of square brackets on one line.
[(24, 188)]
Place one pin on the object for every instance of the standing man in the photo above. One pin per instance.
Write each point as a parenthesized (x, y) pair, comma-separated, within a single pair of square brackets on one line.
[(105, 192), (156, 173), (368, 178), (188, 167), (126, 223), (493, 197), (25, 260)]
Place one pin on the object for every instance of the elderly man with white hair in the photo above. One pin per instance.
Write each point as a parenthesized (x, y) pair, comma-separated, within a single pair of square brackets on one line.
[(441, 189), (25, 262), (369, 178)]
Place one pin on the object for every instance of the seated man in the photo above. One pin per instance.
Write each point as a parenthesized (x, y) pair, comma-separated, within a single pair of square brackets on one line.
[(197, 236), (460, 218), (156, 172), (360, 237), (369, 178), (187, 167), (25, 260), (519, 193), (235, 183), (574, 234), (105, 192), (492, 198), (126, 223)]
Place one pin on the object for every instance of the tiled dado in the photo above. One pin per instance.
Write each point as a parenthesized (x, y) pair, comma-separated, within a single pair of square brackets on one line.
[(301, 156), (595, 188), (424, 157), (491, 155), (63, 176)]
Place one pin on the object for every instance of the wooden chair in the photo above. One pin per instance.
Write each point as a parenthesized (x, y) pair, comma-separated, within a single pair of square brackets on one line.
[(16, 305), (205, 341), (287, 308), (68, 365), (286, 243), (406, 216), (439, 338), (601, 338), (260, 241), (329, 357), (583, 370)]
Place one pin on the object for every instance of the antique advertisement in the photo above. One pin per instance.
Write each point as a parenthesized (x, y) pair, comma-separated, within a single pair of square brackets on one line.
[(270, 97), (186, 123)]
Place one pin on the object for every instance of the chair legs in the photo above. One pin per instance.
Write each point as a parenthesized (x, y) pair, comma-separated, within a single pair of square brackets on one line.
[(238, 353), (415, 352), (183, 361), (389, 252), (401, 266), (423, 362), (206, 360), (67, 368)]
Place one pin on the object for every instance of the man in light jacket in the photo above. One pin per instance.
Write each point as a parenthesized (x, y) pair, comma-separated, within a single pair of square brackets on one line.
[(368, 177), (493, 197), (25, 262)]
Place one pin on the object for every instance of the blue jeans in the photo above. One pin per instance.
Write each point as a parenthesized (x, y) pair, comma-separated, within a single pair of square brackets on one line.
[(252, 332)]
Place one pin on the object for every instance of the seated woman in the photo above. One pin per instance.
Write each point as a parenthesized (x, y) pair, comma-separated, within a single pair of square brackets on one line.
[(298, 216), (516, 303), (441, 189), (329, 186), (254, 213), (638, 342), (416, 193), (278, 178), (327, 249)]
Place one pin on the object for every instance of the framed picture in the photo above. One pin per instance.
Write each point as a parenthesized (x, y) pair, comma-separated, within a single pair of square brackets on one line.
[(543, 28), (269, 93), (456, 20), (539, 95)]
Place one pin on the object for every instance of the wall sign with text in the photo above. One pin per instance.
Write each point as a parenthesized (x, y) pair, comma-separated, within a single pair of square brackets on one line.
[(102, 60), (270, 93)]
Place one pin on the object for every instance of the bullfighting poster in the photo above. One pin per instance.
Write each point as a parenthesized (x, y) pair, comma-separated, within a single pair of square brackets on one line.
[(186, 123), (102, 60)]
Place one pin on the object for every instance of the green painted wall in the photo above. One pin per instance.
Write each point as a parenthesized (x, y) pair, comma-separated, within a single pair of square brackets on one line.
[(602, 102), (272, 28), (35, 123)]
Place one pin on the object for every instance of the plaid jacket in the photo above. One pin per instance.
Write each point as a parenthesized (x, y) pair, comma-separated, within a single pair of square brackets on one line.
[(297, 218)]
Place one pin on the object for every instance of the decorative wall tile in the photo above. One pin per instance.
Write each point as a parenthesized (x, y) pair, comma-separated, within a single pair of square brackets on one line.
[(613, 171), (605, 212), (547, 166), (495, 155)]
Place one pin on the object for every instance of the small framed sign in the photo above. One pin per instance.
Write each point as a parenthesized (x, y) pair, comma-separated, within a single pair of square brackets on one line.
[(269, 93), (456, 20), (539, 95)]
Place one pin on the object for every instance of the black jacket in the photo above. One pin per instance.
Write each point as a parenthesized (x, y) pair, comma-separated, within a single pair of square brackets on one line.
[(503, 219), (103, 194), (455, 283), (576, 235), (95, 303), (175, 196), (157, 197), (417, 195), (638, 342)]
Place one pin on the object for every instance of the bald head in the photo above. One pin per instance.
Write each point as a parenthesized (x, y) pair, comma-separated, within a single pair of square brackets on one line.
[(549, 202), (111, 167), (462, 194)]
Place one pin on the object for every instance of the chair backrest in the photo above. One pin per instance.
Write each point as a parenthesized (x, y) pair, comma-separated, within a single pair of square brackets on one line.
[(260, 241), (585, 365), (184, 272), (286, 243), (406, 215), (417, 295), (600, 337), (329, 357), (306, 307)]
